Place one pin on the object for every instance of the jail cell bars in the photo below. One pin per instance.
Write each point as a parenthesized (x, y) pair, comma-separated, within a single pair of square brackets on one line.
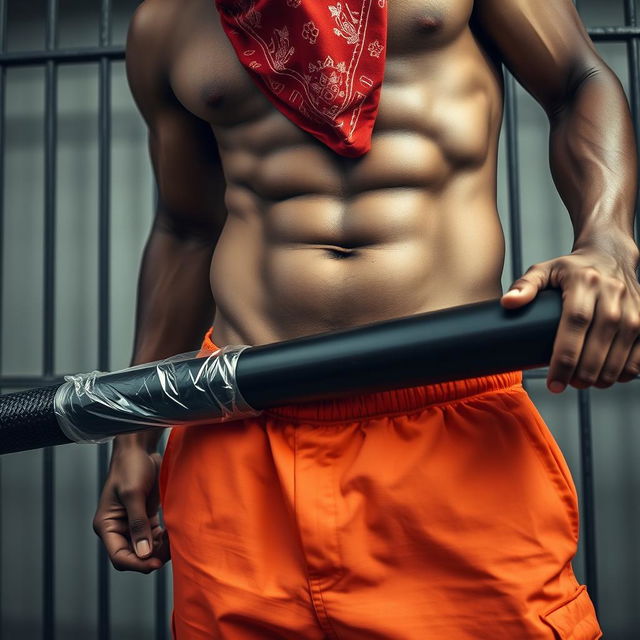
[(50, 59)]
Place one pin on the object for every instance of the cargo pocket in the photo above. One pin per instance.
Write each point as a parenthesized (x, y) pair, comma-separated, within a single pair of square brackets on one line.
[(575, 618)]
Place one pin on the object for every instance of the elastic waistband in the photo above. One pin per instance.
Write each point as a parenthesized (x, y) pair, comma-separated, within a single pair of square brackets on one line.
[(397, 401)]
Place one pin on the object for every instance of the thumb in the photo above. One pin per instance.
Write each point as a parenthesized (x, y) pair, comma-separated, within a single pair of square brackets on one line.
[(139, 525), (525, 289)]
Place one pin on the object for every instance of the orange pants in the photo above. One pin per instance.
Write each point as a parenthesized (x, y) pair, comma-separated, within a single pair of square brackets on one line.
[(443, 512)]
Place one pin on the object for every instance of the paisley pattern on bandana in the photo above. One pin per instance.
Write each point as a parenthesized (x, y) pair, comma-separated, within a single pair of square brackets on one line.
[(320, 62)]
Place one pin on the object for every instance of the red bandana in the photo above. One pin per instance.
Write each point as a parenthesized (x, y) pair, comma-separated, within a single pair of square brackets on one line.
[(320, 63)]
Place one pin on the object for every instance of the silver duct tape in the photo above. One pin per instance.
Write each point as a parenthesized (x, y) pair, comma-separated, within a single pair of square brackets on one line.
[(178, 391)]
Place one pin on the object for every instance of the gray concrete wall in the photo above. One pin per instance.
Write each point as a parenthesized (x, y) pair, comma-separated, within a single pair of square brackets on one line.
[(546, 231)]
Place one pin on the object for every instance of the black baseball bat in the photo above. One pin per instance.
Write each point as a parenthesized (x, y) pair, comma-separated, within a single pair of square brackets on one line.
[(451, 344)]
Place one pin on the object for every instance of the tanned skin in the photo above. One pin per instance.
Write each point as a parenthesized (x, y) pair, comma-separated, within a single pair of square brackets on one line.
[(307, 241)]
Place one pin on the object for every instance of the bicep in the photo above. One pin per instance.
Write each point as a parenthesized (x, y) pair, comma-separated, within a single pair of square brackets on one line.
[(543, 43), (189, 176), (183, 149)]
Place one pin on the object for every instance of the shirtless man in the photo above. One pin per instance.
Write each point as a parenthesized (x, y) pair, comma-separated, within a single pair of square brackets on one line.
[(308, 241)]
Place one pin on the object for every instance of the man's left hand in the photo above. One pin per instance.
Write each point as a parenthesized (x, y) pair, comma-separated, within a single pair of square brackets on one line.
[(597, 339)]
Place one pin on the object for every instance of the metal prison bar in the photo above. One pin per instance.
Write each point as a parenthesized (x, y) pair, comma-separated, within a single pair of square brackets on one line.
[(103, 54)]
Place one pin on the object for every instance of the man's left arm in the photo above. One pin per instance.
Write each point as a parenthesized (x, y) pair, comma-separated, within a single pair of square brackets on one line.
[(593, 162)]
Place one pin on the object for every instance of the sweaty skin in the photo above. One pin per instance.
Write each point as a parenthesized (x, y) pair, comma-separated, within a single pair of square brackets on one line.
[(263, 230)]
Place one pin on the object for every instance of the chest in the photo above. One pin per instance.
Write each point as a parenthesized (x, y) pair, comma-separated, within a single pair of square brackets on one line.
[(210, 81)]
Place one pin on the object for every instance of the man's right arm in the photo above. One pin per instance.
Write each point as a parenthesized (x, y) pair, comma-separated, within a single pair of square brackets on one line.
[(174, 301)]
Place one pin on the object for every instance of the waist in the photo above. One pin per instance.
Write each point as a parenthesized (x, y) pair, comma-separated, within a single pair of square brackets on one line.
[(273, 294)]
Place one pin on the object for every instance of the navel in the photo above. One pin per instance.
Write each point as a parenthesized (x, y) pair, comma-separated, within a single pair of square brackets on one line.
[(341, 253)]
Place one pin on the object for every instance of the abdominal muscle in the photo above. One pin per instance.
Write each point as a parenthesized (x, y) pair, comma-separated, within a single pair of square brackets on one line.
[(406, 253), (316, 242)]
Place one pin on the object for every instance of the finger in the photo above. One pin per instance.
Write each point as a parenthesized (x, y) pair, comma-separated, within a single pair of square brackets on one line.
[(578, 306), (525, 289), (159, 537), (161, 547), (602, 334), (622, 347), (139, 526), (114, 535), (632, 366)]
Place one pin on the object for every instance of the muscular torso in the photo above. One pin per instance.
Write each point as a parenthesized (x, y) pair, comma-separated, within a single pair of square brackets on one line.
[(314, 241)]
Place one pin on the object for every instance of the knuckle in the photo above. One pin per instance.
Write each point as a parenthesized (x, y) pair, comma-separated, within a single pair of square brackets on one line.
[(608, 377), (618, 286), (567, 360), (591, 276), (137, 525), (633, 323), (587, 375), (578, 318), (612, 317)]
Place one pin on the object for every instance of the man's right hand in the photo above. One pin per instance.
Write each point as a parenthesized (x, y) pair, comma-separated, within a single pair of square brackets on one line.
[(127, 517)]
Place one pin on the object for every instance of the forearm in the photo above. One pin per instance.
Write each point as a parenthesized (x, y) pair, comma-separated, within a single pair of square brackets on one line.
[(174, 307), (594, 163)]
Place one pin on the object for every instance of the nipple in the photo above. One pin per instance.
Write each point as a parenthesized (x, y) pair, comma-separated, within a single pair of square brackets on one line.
[(428, 23)]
